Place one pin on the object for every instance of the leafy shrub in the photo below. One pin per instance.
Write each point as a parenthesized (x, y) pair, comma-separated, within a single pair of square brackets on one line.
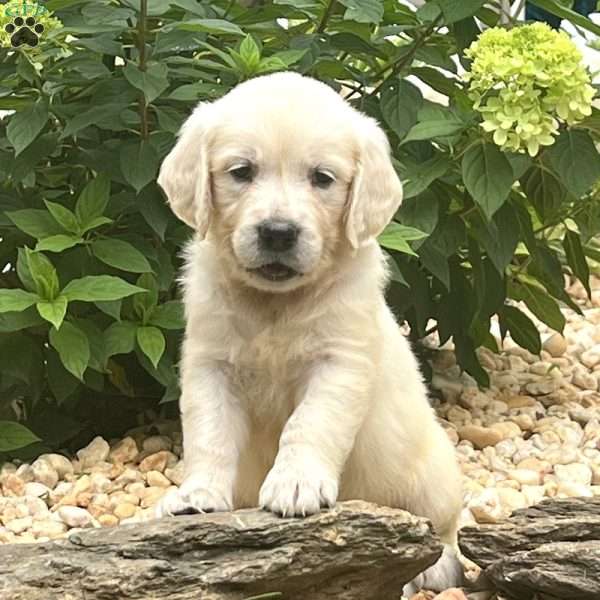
[(89, 318)]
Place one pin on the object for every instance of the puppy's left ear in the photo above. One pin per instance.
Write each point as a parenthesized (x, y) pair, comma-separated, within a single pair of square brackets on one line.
[(184, 174), (376, 192)]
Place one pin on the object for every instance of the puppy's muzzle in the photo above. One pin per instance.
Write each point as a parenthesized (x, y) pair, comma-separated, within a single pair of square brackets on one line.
[(277, 235), (277, 239)]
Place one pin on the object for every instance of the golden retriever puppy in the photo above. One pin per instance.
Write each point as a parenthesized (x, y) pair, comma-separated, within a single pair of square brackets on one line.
[(298, 388)]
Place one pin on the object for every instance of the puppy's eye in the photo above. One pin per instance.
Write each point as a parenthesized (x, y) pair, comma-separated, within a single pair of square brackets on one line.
[(322, 179), (242, 173)]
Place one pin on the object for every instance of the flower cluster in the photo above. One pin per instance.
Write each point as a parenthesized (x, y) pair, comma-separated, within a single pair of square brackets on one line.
[(525, 82)]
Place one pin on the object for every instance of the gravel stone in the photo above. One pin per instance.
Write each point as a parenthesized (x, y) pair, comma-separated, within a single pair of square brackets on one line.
[(96, 451)]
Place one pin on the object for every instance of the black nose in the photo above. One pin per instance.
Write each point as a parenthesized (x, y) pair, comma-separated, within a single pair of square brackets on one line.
[(277, 236)]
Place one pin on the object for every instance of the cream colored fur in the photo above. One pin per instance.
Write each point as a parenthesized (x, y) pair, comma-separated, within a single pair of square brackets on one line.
[(300, 393)]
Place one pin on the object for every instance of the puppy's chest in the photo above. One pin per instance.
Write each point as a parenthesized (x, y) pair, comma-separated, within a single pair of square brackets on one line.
[(270, 365)]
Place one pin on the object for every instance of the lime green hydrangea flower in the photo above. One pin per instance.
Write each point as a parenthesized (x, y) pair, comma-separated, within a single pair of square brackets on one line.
[(525, 82), (24, 9)]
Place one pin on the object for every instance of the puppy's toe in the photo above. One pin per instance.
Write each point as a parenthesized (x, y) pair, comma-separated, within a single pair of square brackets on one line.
[(446, 573), (171, 504), (205, 500), (194, 496), (297, 494)]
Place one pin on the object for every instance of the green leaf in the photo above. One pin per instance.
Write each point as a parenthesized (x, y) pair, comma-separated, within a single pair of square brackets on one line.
[(420, 212), (61, 383), (289, 57), (454, 10), (143, 305), (400, 104), (24, 126), (154, 209), (250, 53), (544, 191), (139, 164), (93, 200), (43, 274), (152, 343), (436, 262), (93, 116), (305, 5), (121, 255), (23, 271), (16, 300), (467, 358), (560, 10), (547, 268), (419, 178), (63, 216), (14, 436), (520, 163), (576, 259), (154, 7), (120, 338), (112, 308), (16, 321), (499, 236), (152, 81), (435, 128), (522, 329), (488, 177), (96, 288), (53, 311), (576, 161), (436, 80), (396, 237), (96, 341), (96, 222), (168, 315), (488, 284), (215, 26), (363, 11), (542, 305), (73, 348), (34, 222), (395, 272), (57, 243)]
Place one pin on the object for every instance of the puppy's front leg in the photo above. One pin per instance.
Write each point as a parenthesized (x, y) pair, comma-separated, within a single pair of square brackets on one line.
[(214, 431), (318, 438)]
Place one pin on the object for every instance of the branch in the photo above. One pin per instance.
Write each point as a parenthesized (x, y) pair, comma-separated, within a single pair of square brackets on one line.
[(325, 17), (401, 61), (141, 38)]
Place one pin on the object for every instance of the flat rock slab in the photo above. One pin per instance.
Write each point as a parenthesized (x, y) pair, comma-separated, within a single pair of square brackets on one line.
[(550, 551), (357, 550)]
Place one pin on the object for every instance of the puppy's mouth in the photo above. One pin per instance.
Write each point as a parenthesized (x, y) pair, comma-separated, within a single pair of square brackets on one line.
[(275, 271)]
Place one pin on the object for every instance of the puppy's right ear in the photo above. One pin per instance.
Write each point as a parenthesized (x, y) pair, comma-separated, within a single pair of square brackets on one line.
[(184, 174)]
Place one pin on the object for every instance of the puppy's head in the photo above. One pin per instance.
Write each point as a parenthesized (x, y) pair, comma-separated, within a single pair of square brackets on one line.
[(284, 176)]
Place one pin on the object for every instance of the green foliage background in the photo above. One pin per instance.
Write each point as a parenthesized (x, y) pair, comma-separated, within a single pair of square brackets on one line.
[(90, 323)]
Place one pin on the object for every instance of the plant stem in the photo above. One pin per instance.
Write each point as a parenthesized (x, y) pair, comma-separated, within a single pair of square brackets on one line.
[(325, 17), (400, 62), (431, 330), (143, 107), (517, 11)]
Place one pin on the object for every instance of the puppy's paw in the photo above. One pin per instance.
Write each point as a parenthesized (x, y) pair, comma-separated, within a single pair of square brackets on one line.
[(292, 491), (196, 495), (446, 573)]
